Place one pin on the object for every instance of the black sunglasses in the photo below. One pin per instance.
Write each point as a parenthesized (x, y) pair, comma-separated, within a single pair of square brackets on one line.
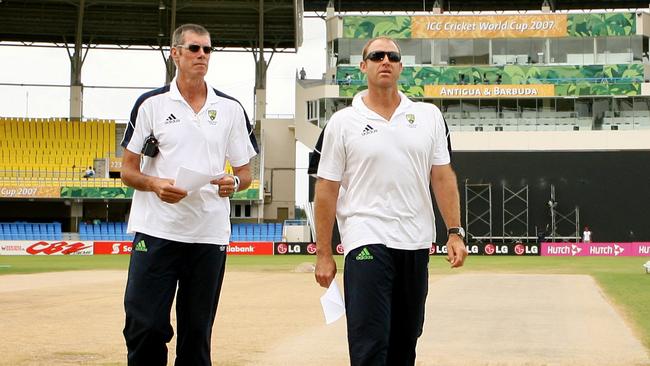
[(378, 56), (194, 48)]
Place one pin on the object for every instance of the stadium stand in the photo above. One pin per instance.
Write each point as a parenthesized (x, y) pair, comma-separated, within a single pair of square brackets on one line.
[(104, 231), (256, 232), (30, 231), (37, 151)]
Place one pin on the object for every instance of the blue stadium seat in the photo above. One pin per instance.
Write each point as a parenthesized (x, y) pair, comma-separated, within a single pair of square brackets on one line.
[(111, 231), (82, 231), (120, 231), (58, 235), (29, 234), (50, 231), (42, 228), (22, 235), (36, 231)]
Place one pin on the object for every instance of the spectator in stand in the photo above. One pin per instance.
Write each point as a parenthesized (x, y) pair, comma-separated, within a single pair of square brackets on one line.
[(303, 74), (348, 79), (586, 235), (90, 173)]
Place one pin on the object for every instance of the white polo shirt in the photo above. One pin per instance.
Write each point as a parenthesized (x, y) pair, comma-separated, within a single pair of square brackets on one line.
[(384, 168), (200, 141)]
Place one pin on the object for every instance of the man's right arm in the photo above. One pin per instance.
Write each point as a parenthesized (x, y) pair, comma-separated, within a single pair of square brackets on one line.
[(133, 177), (327, 193)]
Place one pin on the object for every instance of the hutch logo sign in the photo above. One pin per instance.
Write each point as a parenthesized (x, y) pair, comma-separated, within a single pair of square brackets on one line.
[(634, 249)]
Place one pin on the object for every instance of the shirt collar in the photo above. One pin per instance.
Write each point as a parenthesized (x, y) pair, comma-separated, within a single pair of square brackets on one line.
[(175, 94), (361, 107)]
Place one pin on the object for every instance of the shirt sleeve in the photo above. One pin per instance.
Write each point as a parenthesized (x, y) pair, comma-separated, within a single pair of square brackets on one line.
[(141, 128), (332, 157), (240, 149), (441, 149), (314, 157)]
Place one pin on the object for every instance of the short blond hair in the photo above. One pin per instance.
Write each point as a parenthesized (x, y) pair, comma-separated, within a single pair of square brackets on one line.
[(179, 34), (364, 53)]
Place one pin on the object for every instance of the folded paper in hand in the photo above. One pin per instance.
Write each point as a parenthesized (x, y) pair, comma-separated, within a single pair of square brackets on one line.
[(190, 180), (333, 305)]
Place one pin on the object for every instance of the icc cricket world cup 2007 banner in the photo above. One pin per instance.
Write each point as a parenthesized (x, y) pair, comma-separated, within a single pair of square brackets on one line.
[(493, 26)]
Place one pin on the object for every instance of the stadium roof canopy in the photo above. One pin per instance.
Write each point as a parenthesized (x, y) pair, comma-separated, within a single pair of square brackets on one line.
[(232, 23), (471, 5)]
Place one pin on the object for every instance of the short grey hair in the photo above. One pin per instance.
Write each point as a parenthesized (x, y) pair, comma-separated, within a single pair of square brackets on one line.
[(179, 34)]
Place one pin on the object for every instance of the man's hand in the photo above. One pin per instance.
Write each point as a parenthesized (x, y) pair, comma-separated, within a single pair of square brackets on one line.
[(456, 251), (166, 191), (226, 185), (325, 270)]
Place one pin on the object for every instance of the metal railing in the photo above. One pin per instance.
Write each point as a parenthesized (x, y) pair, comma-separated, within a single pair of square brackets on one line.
[(69, 178)]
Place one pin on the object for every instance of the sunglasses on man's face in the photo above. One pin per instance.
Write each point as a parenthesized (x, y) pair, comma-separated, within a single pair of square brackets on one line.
[(377, 56), (194, 48)]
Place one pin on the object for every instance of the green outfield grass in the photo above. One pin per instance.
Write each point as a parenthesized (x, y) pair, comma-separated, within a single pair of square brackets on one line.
[(622, 279)]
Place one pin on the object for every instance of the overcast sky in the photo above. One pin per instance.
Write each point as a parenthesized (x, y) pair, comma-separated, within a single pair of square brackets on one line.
[(231, 72)]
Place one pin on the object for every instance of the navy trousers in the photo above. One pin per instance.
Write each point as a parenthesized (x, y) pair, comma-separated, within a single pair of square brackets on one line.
[(385, 294), (157, 268)]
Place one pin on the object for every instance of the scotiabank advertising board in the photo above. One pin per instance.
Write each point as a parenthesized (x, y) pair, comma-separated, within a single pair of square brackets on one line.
[(564, 249), (42, 247), (112, 247), (250, 248), (491, 249)]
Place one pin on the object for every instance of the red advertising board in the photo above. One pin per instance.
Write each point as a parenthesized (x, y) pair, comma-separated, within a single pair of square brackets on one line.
[(112, 247), (235, 248), (250, 248), (42, 247)]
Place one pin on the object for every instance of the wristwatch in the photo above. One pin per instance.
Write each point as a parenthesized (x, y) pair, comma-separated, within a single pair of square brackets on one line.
[(236, 187), (457, 231)]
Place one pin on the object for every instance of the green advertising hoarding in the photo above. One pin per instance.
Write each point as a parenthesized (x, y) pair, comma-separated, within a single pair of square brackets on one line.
[(97, 192), (620, 79), (127, 193)]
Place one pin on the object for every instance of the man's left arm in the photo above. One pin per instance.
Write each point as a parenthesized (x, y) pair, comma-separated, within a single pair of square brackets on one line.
[(445, 189)]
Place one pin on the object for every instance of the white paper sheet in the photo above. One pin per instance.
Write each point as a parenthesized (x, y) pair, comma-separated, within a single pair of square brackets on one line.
[(332, 302), (190, 180)]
